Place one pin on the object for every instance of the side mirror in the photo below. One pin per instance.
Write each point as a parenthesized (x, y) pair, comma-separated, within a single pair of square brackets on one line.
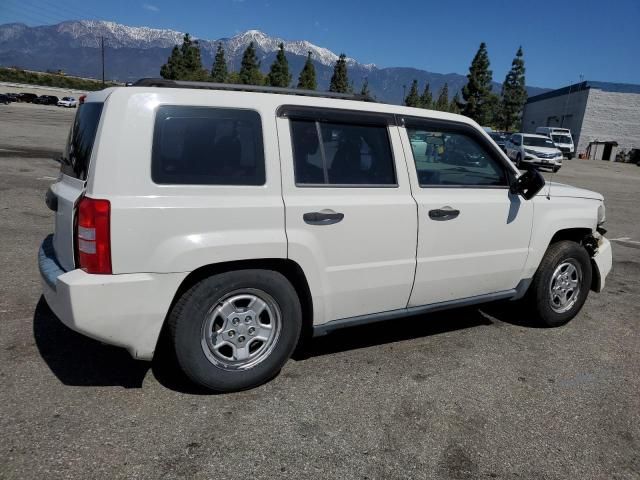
[(528, 184)]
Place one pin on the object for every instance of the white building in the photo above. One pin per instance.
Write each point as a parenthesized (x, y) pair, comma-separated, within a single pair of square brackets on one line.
[(603, 117)]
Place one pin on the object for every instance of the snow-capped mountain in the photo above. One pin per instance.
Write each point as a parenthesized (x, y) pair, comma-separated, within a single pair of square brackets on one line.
[(136, 52)]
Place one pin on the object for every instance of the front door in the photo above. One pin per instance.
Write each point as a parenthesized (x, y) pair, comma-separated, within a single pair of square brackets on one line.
[(473, 234), (350, 216)]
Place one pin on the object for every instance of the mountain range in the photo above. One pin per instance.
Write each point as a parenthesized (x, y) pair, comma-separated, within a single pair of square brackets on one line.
[(136, 52)]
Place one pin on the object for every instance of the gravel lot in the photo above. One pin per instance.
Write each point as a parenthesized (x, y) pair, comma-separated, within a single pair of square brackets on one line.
[(464, 394)]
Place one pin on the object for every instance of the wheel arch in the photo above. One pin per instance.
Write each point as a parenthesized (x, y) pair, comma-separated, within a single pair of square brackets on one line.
[(289, 268)]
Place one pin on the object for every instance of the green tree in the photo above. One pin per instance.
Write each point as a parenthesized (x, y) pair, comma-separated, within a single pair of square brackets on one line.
[(307, 78), (477, 92), (339, 79), (364, 91), (250, 67), (219, 72), (413, 98), (172, 70), (514, 94), (442, 103), (454, 106), (191, 60), (279, 75), (426, 99), (185, 62)]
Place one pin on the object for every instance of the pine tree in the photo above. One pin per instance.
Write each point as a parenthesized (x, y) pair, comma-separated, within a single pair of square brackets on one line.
[(442, 103), (307, 78), (514, 94), (219, 72), (364, 91), (477, 92), (339, 79), (250, 67), (184, 63), (454, 106), (413, 99), (279, 75), (426, 99), (172, 70), (191, 60)]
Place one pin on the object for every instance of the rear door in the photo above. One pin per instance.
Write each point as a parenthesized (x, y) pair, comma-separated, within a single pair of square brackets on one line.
[(73, 175), (350, 217)]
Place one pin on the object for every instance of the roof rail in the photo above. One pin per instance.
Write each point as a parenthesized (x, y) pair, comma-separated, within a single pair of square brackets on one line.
[(161, 82)]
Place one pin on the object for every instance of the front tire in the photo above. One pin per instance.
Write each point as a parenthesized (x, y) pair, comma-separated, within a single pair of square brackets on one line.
[(235, 330), (519, 161), (561, 283)]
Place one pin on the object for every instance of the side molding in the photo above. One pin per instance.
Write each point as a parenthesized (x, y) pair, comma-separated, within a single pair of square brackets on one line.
[(323, 329)]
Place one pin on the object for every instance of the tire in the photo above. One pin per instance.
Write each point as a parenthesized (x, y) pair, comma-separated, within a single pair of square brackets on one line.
[(222, 361), (566, 258), (518, 161), (555, 169)]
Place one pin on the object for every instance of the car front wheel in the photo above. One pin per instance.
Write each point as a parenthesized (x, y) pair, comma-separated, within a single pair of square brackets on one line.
[(235, 330), (561, 283)]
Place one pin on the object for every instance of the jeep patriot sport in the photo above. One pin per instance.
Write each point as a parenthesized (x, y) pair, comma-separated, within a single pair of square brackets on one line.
[(242, 218)]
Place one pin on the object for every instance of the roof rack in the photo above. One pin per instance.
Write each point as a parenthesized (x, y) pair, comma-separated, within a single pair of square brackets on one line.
[(164, 83)]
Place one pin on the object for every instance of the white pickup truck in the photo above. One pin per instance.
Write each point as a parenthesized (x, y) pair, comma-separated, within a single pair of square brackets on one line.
[(244, 218)]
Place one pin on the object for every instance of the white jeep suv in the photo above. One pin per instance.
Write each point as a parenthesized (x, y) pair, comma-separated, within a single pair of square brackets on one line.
[(528, 149), (242, 218)]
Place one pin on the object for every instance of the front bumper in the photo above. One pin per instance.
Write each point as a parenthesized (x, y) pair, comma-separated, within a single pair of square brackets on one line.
[(126, 310), (544, 162), (602, 260)]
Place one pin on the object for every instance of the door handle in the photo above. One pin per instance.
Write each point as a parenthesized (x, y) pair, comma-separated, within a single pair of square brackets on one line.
[(444, 213), (323, 217)]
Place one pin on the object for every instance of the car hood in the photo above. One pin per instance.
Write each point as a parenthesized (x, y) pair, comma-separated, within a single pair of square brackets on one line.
[(554, 189)]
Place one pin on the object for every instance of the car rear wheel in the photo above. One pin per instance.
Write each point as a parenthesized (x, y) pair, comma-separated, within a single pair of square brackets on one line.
[(561, 284), (235, 330)]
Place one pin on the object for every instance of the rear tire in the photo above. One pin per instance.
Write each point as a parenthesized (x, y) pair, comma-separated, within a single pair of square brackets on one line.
[(561, 283), (235, 330)]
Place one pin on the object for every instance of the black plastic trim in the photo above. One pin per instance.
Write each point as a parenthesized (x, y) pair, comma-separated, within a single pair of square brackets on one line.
[(319, 330), (337, 115)]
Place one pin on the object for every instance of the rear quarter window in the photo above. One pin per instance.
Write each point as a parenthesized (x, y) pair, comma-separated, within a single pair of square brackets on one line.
[(76, 156), (207, 146)]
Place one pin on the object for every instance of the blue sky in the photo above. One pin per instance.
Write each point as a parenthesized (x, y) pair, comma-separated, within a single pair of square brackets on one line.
[(561, 40)]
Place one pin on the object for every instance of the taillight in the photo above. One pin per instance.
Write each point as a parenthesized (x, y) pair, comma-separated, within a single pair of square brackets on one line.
[(93, 239)]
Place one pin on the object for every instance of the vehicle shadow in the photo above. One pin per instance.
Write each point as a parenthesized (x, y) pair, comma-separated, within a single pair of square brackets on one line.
[(390, 331), (80, 361), (77, 360)]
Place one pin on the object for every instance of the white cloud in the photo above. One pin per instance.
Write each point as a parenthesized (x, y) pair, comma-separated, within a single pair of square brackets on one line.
[(151, 8)]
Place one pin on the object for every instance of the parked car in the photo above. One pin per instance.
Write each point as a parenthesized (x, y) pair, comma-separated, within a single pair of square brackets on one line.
[(46, 100), (529, 149), (500, 138), (13, 97), (561, 137), (242, 220), (69, 102), (27, 97), (4, 99)]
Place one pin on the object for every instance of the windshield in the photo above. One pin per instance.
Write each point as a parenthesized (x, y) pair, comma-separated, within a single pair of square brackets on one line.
[(561, 138), (498, 137), (75, 159), (537, 142)]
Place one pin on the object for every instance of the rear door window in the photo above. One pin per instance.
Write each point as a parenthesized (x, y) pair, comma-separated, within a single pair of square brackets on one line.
[(342, 154), (75, 159), (207, 146)]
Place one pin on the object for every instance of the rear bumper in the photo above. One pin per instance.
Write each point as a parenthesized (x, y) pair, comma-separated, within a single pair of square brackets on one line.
[(603, 260), (126, 310)]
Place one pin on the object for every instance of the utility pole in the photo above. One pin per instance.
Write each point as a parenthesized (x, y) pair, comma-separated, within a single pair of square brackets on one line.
[(102, 51)]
